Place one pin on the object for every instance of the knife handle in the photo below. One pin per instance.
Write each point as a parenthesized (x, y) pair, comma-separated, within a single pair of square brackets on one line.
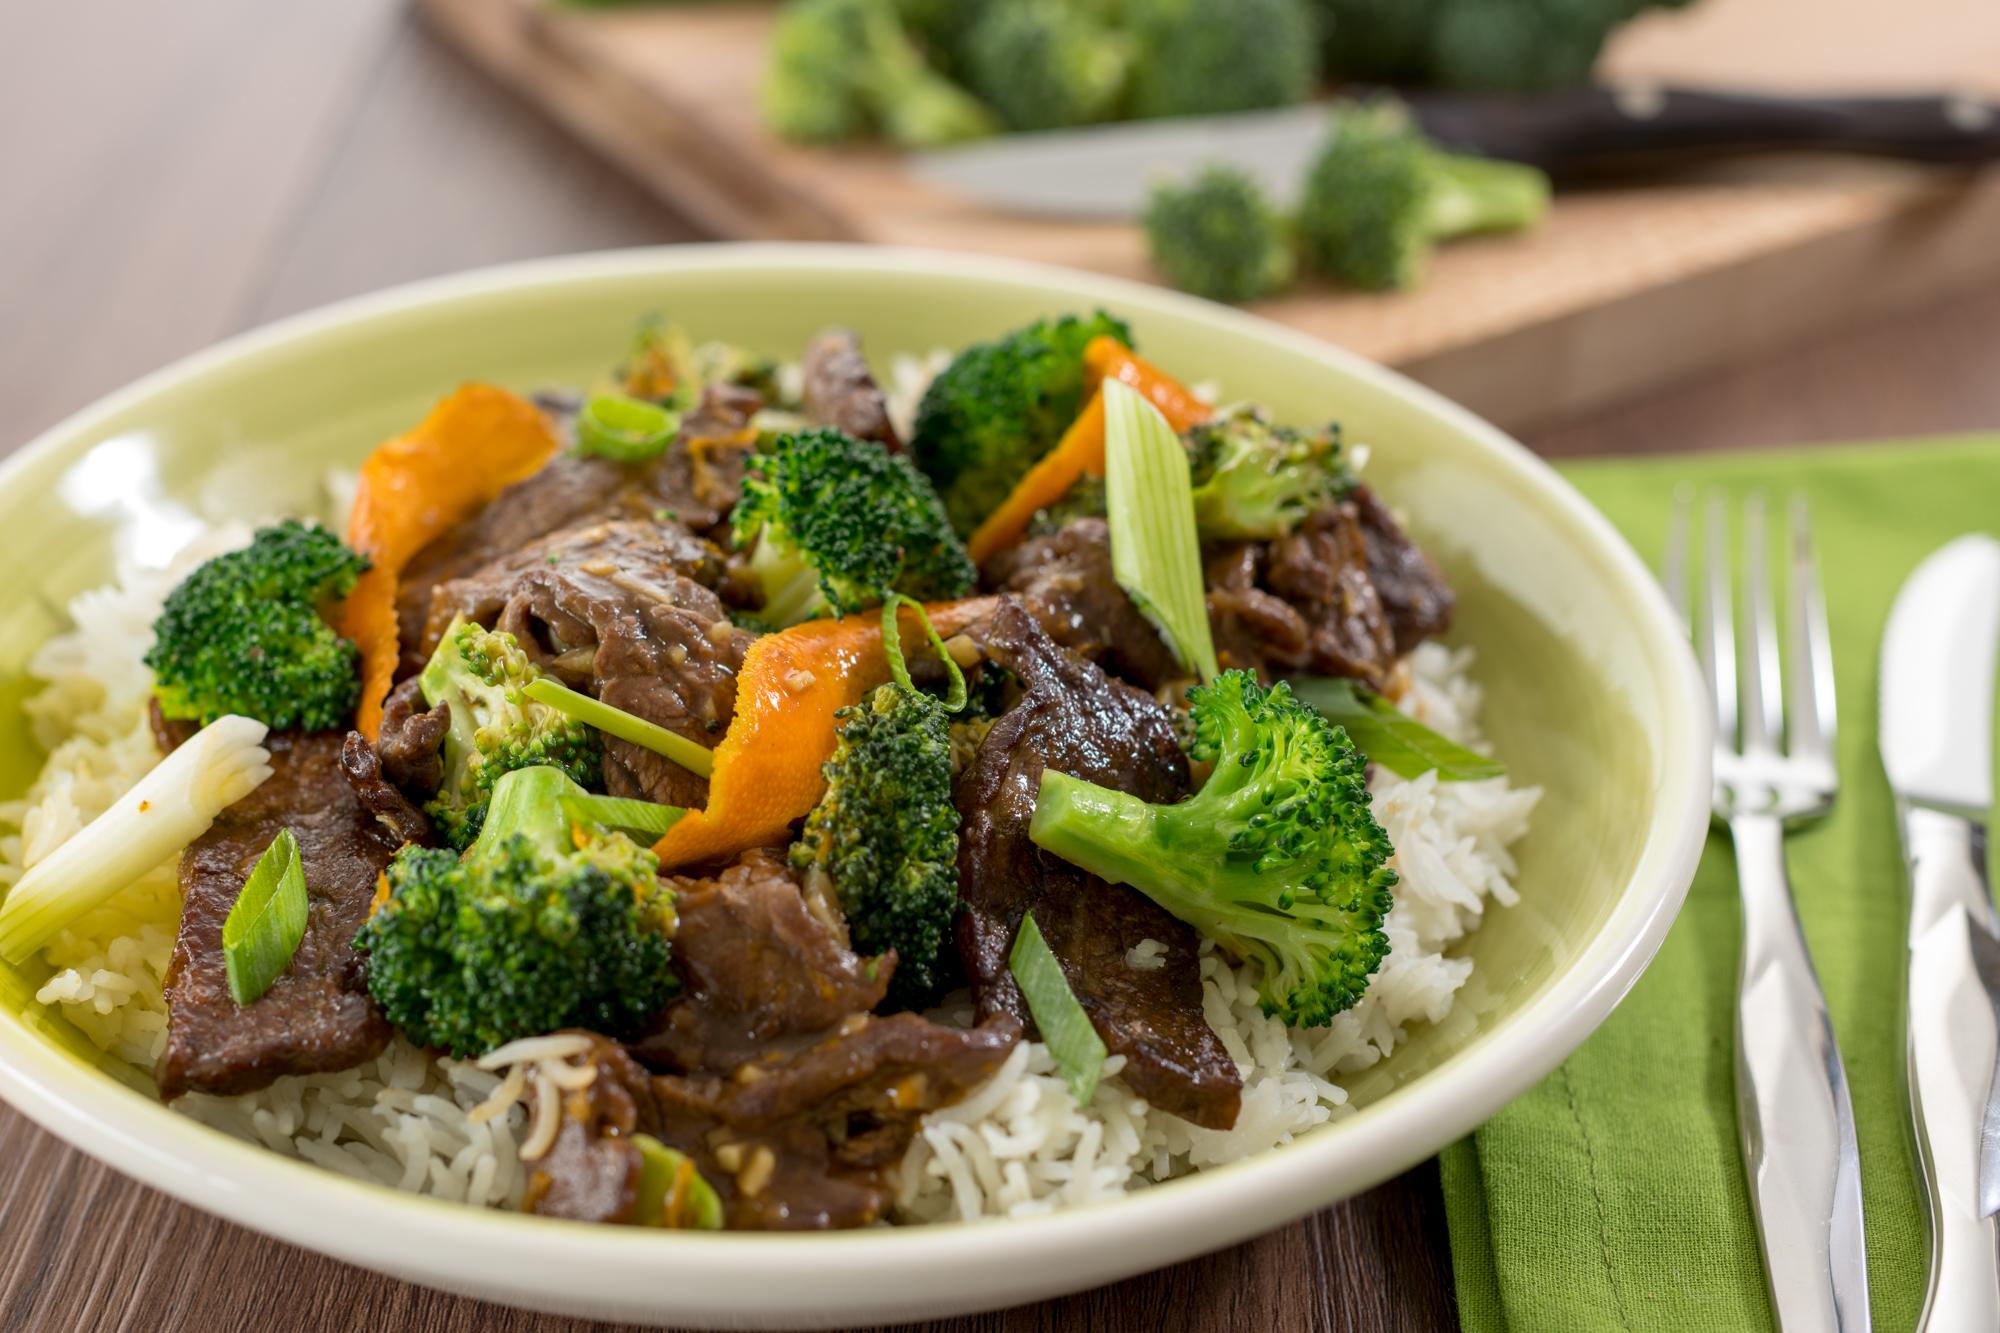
[(1951, 1038), (1611, 131), (1792, 1109)]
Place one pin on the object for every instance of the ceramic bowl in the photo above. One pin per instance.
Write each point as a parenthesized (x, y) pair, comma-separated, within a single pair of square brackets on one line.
[(1590, 694)]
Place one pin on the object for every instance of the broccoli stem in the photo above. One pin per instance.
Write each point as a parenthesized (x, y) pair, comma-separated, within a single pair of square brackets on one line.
[(790, 583), (1476, 194), (527, 803), (1114, 836)]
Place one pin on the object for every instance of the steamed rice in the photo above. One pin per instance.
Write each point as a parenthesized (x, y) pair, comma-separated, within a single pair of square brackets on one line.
[(1019, 1144)]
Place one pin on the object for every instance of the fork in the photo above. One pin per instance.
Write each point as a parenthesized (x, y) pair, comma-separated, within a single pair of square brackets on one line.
[(1775, 772)]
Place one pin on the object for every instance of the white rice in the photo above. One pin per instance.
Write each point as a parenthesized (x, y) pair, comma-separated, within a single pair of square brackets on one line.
[(1018, 1145)]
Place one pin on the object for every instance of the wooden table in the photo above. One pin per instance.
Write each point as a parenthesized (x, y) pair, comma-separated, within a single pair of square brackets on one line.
[(170, 174)]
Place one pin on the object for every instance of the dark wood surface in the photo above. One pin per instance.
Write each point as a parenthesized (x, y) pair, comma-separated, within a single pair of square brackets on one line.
[(170, 174)]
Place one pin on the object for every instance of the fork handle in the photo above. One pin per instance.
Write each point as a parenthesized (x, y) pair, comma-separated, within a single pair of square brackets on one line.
[(1951, 1037), (1792, 1109)]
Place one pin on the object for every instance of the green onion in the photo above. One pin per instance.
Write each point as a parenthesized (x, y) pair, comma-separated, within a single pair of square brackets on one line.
[(617, 722), (625, 430), (1074, 1044), (622, 813), (1393, 739), (663, 1173), (1149, 503), (892, 648), (264, 927)]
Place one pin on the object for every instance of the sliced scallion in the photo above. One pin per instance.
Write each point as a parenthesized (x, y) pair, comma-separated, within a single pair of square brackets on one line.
[(264, 927), (1390, 737), (623, 429), (892, 648), (1074, 1044), (670, 1192), (1149, 504), (617, 722), (622, 813)]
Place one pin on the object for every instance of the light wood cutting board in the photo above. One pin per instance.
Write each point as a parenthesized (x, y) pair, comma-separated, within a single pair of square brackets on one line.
[(1620, 290)]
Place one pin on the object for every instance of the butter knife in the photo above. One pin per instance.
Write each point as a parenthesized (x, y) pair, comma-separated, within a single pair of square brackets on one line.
[(1938, 659)]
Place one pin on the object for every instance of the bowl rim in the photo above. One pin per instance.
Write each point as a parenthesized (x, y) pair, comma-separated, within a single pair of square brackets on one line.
[(446, 1243)]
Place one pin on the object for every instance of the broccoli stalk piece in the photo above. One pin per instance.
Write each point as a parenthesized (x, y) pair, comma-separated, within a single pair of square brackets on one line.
[(841, 68), (1380, 196), (1201, 57), (885, 836), (841, 523), (480, 675), (1217, 236), (1277, 858), (540, 925), (1044, 64), (1001, 405), (1254, 481), (247, 633)]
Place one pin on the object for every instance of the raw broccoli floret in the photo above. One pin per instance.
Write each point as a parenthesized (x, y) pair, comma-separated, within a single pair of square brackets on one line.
[(1383, 40), (495, 728), (1503, 46), (1046, 64), (1200, 57), (1001, 405), (839, 69), (885, 836), (841, 523), (1380, 196), (1217, 236), (1254, 481), (540, 925), (1277, 858), (247, 633)]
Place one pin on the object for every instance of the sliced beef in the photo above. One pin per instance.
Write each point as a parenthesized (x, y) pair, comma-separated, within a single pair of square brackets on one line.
[(317, 1016), (410, 740), (1414, 595), (362, 767), (1064, 579), (1304, 602), (168, 733), (761, 969), (841, 392), (1071, 717), (591, 1171), (698, 480)]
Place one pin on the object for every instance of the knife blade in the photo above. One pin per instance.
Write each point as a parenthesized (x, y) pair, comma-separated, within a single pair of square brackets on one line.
[(1107, 171), (1938, 660)]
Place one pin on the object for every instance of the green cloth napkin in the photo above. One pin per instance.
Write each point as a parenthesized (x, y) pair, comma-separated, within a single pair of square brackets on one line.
[(1612, 1195)]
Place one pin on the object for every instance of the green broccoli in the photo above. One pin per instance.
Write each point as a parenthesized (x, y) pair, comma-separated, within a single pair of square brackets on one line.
[(1384, 41), (839, 69), (1001, 405), (540, 925), (495, 728), (1217, 236), (1254, 481), (1201, 58), (1084, 499), (1501, 46), (1277, 858), (841, 523), (1045, 64), (1380, 196), (247, 633), (885, 836)]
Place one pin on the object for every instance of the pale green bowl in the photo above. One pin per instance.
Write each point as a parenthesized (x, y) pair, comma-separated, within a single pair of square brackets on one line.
[(1590, 694)]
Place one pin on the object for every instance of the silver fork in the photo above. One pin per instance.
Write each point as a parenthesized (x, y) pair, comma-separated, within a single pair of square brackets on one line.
[(1774, 771)]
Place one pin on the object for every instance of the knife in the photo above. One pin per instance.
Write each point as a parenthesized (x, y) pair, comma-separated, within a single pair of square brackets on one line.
[(1108, 170), (1938, 659)]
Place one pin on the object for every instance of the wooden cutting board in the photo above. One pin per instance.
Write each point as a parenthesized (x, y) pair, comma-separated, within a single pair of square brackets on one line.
[(1620, 290)]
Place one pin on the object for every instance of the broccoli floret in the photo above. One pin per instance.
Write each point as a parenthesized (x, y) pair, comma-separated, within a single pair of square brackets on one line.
[(1277, 858), (1001, 405), (841, 68), (1084, 499), (841, 523), (1502, 46), (247, 633), (540, 925), (1380, 196), (1045, 64), (885, 836), (1217, 236), (1383, 40), (1254, 481), (495, 728), (1200, 58)]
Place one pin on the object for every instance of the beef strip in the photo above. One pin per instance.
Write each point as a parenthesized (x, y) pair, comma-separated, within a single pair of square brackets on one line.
[(1414, 595), (1072, 718), (697, 481), (1303, 603), (761, 970), (841, 392), (1064, 579), (317, 1016), (410, 740), (591, 1171), (362, 767)]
